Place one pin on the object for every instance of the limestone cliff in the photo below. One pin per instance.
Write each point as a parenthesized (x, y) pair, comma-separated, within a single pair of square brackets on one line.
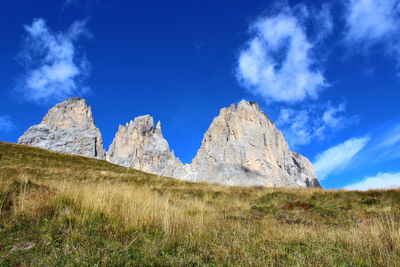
[(141, 146), (68, 127), (243, 147)]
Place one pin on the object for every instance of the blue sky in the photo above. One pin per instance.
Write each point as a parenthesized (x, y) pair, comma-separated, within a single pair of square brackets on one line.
[(327, 74)]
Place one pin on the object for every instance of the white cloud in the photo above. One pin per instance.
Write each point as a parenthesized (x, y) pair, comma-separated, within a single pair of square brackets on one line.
[(386, 145), (371, 19), (380, 181), (391, 138), (6, 123), (372, 22), (319, 22), (295, 126), (331, 118), (324, 21), (277, 62), (383, 146), (54, 69), (315, 122), (338, 157)]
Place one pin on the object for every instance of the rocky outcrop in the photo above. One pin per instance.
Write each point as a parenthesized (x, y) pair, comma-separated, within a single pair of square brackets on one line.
[(243, 147), (68, 127), (141, 146)]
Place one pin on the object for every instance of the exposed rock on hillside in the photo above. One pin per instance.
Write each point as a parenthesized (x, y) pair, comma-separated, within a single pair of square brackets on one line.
[(243, 147), (141, 146), (68, 127)]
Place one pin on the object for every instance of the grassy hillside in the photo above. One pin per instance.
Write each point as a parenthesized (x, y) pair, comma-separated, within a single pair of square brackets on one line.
[(78, 211)]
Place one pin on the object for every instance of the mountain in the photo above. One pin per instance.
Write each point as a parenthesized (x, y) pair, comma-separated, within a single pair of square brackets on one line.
[(141, 146), (68, 127), (241, 147)]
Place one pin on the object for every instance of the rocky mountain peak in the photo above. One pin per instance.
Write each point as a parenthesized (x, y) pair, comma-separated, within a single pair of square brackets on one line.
[(73, 112), (158, 126), (243, 147), (68, 127), (142, 146)]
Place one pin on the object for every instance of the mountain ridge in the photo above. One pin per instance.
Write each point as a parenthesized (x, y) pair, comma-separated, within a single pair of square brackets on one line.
[(241, 147)]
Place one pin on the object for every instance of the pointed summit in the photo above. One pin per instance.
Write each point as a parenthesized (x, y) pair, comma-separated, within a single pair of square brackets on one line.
[(73, 112), (158, 126), (68, 127), (141, 146), (243, 147)]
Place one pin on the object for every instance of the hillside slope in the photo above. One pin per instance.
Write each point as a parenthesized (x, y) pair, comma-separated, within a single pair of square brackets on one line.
[(58, 209)]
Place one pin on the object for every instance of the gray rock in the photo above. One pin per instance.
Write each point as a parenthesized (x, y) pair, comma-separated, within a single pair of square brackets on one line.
[(68, 127), (141, 146), (243, 147), (22, 247)]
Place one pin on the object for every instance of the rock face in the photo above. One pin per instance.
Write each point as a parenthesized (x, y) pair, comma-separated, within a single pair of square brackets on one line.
[(243, 147), (141, 146), (68, 127)]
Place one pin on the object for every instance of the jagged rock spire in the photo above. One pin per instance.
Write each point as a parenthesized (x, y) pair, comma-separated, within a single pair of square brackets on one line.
[(243, 147), (141, 146), (68, 127)]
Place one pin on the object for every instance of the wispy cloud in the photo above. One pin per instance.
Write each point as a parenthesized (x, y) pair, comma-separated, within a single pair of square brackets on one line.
[(6, 124), (282, 63), (371, 19), (277, 62), (331, 117), (54, 68), (338, 157), (381, 145), (384, 146), (323, 21), (373, 22), (390, 138), (314, 122), (85, 4), (380, 181), (295, 126)]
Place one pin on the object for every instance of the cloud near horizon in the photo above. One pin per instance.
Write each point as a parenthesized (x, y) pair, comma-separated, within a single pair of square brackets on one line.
[(277, 62), (381, 145), (53, 67), (338, 157), (380, 181)]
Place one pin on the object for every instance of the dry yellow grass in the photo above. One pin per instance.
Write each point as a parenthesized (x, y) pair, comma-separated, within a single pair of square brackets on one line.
[(82, 211)]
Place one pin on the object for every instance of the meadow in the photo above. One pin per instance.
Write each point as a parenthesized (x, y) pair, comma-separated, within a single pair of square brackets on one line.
[(65, 210)]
